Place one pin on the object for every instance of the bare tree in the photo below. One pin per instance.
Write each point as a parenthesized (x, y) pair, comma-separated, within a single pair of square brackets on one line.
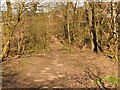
[(68, 21), (8, 24), (91, 18), (114, 27)]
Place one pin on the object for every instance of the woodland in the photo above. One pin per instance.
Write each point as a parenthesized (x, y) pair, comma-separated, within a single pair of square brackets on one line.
[(60, 44)]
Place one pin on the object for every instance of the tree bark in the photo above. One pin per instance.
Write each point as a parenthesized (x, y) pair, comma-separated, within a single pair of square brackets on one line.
[(91, 20), (74, 22), (118, 21), (93, 31), (68, 22), (114, 28)]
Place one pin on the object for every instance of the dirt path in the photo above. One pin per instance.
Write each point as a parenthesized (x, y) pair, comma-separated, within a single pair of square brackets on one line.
[(57, 70)]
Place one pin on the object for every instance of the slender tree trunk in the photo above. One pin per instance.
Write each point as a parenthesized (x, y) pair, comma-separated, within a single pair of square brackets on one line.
[(74, 21), (89, 19), (90, 8), (68, 22), (9, 10), (114, 27), (118, 16), (97, 27), (93, 31), (20, 40), (1, 40)]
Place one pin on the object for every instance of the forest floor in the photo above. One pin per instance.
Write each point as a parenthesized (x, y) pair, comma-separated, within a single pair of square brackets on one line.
[(60, 69)]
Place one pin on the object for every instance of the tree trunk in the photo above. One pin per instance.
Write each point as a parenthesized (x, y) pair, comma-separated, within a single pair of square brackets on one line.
[(93, 31), (114, 28), (91, 20), (9, 10), (6, 47), (68, 22), (118, 16), (74, 22)]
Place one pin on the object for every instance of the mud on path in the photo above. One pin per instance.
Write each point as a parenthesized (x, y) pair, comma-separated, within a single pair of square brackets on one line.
[(58, 70)]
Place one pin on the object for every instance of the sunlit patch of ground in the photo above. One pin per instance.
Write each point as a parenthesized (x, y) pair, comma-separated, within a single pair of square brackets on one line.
[(59, 70)]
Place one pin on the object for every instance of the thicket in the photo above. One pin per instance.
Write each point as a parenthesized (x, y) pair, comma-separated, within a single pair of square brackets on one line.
[(28, 27)]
